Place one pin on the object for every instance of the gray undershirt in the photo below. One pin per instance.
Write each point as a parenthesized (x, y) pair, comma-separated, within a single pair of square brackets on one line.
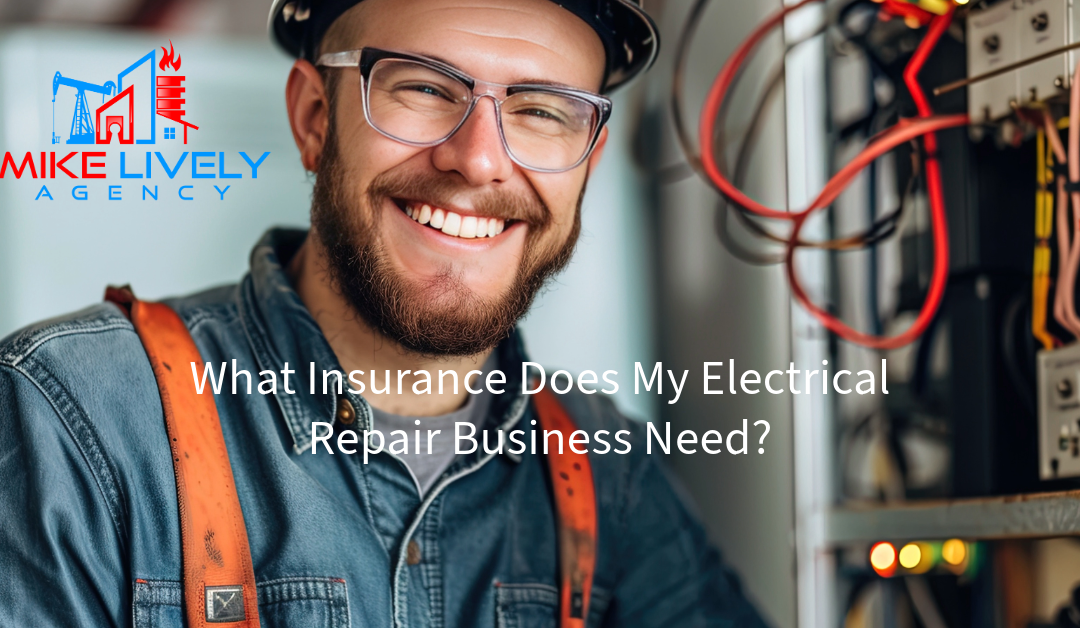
[(424, 466)]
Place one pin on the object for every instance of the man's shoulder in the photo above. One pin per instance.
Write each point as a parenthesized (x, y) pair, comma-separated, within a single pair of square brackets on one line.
[(57, 338), (80, 387), (93, 359), (100, 337)]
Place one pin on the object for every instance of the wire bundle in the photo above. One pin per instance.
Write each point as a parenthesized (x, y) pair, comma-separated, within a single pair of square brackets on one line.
[(904, 131), (1068, 231), (1044, 217)]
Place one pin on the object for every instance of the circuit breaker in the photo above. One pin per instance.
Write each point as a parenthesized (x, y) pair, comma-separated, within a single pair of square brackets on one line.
[(1011, 31), (992, 43), (1059, 413), (1042, 26)]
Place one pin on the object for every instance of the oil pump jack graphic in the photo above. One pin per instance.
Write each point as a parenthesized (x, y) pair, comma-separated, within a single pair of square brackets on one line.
[(165, 98), (82, 123)]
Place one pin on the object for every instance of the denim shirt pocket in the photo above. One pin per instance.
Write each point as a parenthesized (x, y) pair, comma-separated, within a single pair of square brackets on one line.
[(537, 606), (283, 603)]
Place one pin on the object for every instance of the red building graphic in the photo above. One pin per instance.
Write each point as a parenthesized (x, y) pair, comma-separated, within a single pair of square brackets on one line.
[(170, 101), (170, 91), (114, 115)]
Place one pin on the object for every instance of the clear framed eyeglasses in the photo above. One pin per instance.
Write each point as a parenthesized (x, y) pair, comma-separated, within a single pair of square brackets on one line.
[(422, 102)]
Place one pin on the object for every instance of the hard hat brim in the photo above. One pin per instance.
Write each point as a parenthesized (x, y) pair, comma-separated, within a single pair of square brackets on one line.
[(630, 37)]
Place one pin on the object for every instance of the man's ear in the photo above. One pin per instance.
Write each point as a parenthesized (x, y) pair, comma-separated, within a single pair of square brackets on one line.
[(594, 158), (308, 105)]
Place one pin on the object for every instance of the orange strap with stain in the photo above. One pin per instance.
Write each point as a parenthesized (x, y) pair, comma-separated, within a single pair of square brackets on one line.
[(219, 580), (575, 506)]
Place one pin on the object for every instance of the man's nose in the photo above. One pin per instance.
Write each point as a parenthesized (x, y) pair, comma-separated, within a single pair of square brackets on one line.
[(476, 150)]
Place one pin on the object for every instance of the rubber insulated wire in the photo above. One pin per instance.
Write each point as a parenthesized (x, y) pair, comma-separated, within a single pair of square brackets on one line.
[(1066, 287), (903, 131), (1044, 209), (1061, 311)]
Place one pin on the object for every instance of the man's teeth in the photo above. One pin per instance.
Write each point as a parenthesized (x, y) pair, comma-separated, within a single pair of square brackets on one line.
[(437, 218), (455, 224)]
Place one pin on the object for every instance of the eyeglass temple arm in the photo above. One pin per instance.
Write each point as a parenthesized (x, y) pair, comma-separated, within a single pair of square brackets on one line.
[(346, 59)]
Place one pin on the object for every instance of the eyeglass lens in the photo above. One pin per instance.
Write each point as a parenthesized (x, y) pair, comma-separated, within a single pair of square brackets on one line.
[(417, 103)]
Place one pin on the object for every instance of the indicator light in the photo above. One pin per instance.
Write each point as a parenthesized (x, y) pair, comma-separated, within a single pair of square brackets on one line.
[(883, 558), (910, 556), (919, 557), (954, 551), (937, 7)]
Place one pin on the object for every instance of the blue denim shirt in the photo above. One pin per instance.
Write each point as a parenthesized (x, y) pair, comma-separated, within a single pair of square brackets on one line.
[(90, 533)]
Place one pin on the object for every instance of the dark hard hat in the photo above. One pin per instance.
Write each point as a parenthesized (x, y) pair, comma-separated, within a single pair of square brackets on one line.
[(630, 37)]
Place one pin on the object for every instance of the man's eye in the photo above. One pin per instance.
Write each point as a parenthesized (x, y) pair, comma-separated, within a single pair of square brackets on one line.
[(426, 89), (542, 114)]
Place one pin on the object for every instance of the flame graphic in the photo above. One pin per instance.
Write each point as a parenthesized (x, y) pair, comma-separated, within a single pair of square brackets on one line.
[(167, 58)]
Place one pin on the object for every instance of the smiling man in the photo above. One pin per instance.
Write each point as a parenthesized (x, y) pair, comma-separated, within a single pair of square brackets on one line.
[(451, 141)]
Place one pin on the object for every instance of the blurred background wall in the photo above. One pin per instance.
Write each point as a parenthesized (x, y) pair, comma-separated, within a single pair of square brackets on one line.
[(714, 307), (650, 281)]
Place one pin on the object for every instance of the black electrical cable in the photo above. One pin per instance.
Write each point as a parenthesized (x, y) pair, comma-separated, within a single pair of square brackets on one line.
[(920, 372), (682, 51), (723, 208), (872, 288), (1008, 346), (844, 13), (881, 229), (877, 112), (891, 69)]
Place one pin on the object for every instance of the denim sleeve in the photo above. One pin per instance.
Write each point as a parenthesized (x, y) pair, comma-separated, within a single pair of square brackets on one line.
[(670, 575), (60, 548)]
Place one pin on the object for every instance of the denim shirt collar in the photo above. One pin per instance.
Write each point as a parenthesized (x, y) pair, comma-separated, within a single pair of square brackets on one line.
[(282, 331)]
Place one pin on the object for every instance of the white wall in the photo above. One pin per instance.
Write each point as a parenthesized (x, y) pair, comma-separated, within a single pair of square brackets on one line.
[(715, 307)]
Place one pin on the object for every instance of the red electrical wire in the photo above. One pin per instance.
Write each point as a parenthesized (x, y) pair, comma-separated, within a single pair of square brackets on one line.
[(904, 131)]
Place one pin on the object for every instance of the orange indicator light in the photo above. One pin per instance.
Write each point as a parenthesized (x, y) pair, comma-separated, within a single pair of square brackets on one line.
[(954, 551), (883, 558)]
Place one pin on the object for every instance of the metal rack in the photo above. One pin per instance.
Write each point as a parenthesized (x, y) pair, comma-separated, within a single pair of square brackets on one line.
[(982, 464), (1012, 516)]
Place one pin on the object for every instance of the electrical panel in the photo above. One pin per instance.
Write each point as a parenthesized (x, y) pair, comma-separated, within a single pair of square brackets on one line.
[(1013, 31), (1042, 26), (992, 43), (1059, 412)]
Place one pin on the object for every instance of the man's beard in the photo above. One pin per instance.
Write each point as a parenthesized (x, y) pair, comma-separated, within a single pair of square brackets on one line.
[(431, 317)]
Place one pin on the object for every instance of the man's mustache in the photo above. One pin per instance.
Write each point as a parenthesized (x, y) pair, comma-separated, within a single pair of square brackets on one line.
[(442, 190)]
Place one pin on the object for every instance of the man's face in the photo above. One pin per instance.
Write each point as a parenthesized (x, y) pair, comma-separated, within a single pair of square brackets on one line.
[(432, 291)]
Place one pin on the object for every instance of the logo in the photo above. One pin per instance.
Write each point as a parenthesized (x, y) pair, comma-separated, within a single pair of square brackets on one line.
[(224, 604), (130, 107), (144, 103)]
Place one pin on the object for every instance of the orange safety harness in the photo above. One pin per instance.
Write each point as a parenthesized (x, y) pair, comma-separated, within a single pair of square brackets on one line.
[(218, 576)]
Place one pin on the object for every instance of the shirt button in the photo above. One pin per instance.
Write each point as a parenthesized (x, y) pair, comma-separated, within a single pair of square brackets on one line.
[(412, 553), (345, 412)]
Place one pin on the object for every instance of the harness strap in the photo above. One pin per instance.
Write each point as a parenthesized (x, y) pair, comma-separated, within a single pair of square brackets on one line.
[(219, 580), (575, 505)]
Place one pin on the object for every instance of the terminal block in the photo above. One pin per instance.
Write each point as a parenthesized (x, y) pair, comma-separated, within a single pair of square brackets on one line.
[(1011, 32), (1042, 26), (1059, 413), (992, 43)]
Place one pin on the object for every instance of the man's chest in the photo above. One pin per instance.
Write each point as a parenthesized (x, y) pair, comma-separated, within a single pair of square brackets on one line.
[(335, 542)]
